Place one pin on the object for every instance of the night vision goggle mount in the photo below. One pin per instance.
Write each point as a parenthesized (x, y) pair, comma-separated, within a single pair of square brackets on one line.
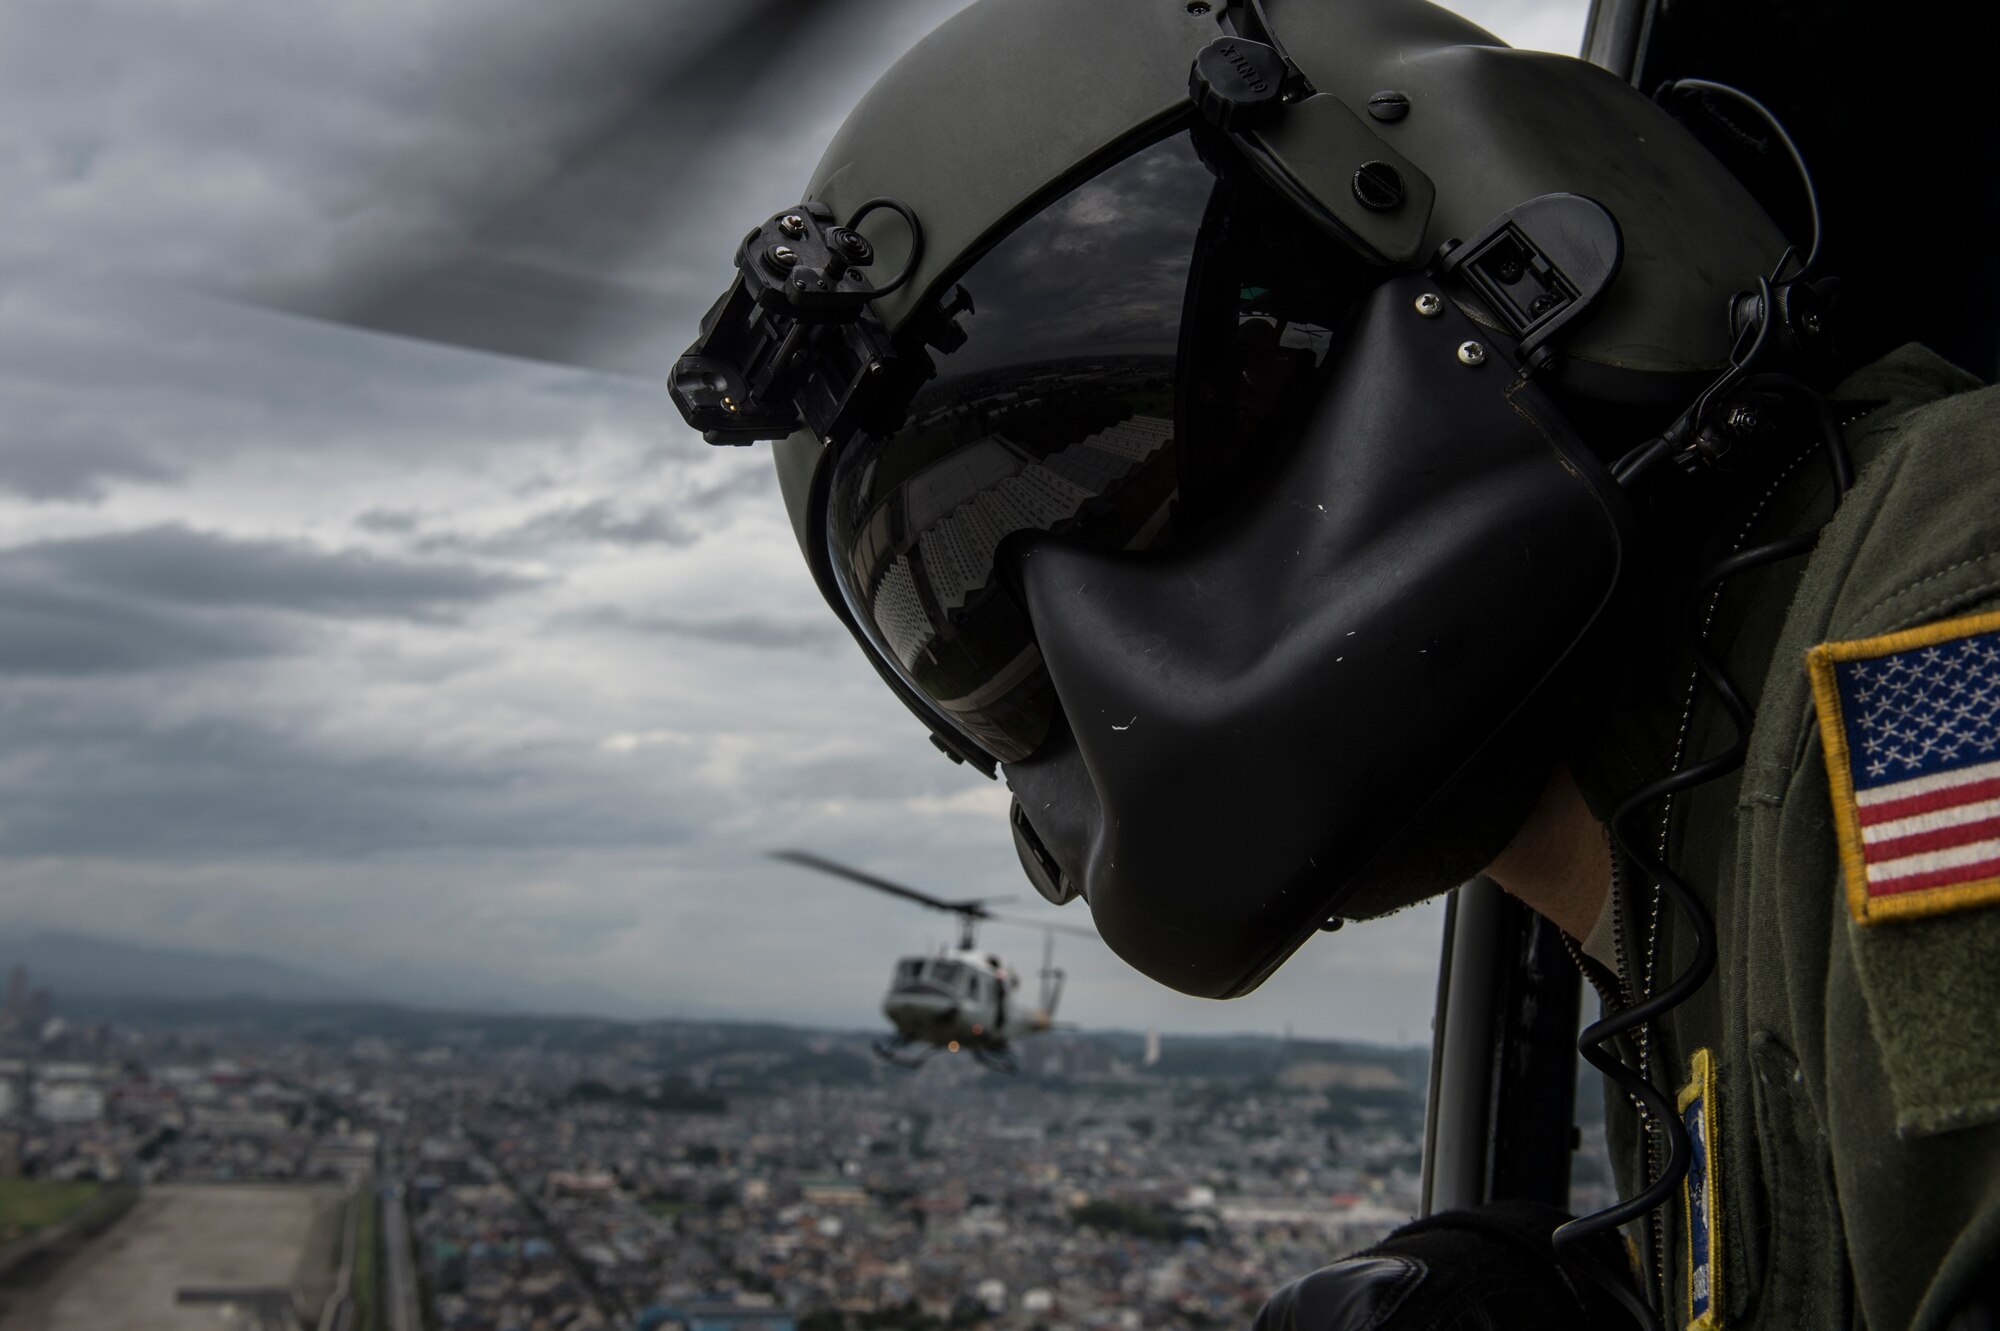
[(793, 342)]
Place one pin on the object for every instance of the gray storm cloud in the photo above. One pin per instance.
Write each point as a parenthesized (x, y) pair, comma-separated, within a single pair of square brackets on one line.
[(176, 565)]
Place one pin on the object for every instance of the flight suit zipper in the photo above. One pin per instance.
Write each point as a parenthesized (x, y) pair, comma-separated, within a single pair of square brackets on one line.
[(1650, 1127), (1619, 991), (1612, 989)]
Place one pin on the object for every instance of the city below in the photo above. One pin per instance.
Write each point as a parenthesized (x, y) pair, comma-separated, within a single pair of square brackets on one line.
[(362, 1167)]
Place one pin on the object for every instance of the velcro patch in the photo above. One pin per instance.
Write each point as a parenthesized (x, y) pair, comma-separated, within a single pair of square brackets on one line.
[(1700, 1193), (1910, 723)]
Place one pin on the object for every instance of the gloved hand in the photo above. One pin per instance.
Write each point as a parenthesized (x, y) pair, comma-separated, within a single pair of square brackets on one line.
[(1489, 1269)]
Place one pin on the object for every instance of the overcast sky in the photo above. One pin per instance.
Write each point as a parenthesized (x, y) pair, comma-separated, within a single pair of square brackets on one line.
[(470, 678)]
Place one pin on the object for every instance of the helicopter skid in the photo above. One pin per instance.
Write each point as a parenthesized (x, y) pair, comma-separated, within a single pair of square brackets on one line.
[(1000, 1058), (897, 1050), (913, 1054)]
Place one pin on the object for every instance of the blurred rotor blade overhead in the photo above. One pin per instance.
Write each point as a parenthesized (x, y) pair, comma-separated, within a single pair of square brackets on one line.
[(604, 260), (974, 907), (1051, 926)]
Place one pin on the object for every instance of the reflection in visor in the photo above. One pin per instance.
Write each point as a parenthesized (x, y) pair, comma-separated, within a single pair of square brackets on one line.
[(1060, 415), (1060, 449), (956, 548)]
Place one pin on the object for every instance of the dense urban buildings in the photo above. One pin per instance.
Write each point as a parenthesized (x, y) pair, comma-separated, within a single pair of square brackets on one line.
[(524, 1173)]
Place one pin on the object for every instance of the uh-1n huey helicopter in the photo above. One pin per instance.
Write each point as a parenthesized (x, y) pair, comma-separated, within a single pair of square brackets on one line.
[(961, 998)]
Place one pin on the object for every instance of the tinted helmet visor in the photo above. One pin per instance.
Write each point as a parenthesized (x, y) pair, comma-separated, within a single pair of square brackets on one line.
[(1130, 351)]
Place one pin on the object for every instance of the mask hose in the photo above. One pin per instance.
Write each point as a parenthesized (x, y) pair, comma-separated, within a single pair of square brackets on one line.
[(1628, 831)]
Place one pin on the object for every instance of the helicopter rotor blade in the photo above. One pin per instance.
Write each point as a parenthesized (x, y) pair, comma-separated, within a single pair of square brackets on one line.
[(971, 908), (548, 273), (591, 265), (1053, 926)]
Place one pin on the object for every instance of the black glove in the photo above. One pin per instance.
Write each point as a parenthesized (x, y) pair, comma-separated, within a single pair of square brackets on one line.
[(1490, 1269)]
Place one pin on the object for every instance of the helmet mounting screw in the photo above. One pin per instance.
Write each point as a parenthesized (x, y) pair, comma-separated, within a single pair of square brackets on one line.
[(1378, 187), (1430, 305), (784, 255), (1471, 353), (1389, 106), (792, 225)]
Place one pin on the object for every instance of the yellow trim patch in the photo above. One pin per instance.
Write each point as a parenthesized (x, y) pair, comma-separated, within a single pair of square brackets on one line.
[(1821, 663), (1701, 1196)]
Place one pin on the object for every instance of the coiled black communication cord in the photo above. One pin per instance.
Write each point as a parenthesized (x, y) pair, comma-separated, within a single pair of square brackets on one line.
[(1628, 832), (1626, 822)]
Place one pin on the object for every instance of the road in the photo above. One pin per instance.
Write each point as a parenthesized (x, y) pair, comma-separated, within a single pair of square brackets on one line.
[(401, 1288)]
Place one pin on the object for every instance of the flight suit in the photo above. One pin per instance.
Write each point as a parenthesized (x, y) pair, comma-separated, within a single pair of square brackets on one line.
[(1842, 1068)]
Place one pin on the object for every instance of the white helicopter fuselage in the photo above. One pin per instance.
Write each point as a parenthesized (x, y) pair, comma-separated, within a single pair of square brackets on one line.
[(961, 997), (958, 997)]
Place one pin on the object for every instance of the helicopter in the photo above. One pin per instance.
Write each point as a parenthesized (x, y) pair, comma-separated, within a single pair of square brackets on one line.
[(961, 998)]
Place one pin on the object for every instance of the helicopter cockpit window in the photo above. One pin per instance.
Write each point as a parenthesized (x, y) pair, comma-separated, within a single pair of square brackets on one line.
[(908, 969)]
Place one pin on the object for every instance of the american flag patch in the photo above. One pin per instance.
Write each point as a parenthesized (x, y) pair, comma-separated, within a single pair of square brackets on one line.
[(1911, 727)]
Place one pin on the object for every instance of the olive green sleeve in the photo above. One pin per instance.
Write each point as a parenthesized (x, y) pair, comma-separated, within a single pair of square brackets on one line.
[(1910, 1009)]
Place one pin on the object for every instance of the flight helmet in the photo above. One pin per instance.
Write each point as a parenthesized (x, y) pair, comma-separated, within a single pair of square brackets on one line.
[(1178, 400)]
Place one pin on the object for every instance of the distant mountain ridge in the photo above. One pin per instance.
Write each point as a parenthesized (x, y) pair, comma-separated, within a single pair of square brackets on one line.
[(73, 966), (76, 966)]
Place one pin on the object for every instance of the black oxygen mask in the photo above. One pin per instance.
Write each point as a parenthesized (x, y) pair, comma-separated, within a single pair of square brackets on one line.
[(1278, 715)]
